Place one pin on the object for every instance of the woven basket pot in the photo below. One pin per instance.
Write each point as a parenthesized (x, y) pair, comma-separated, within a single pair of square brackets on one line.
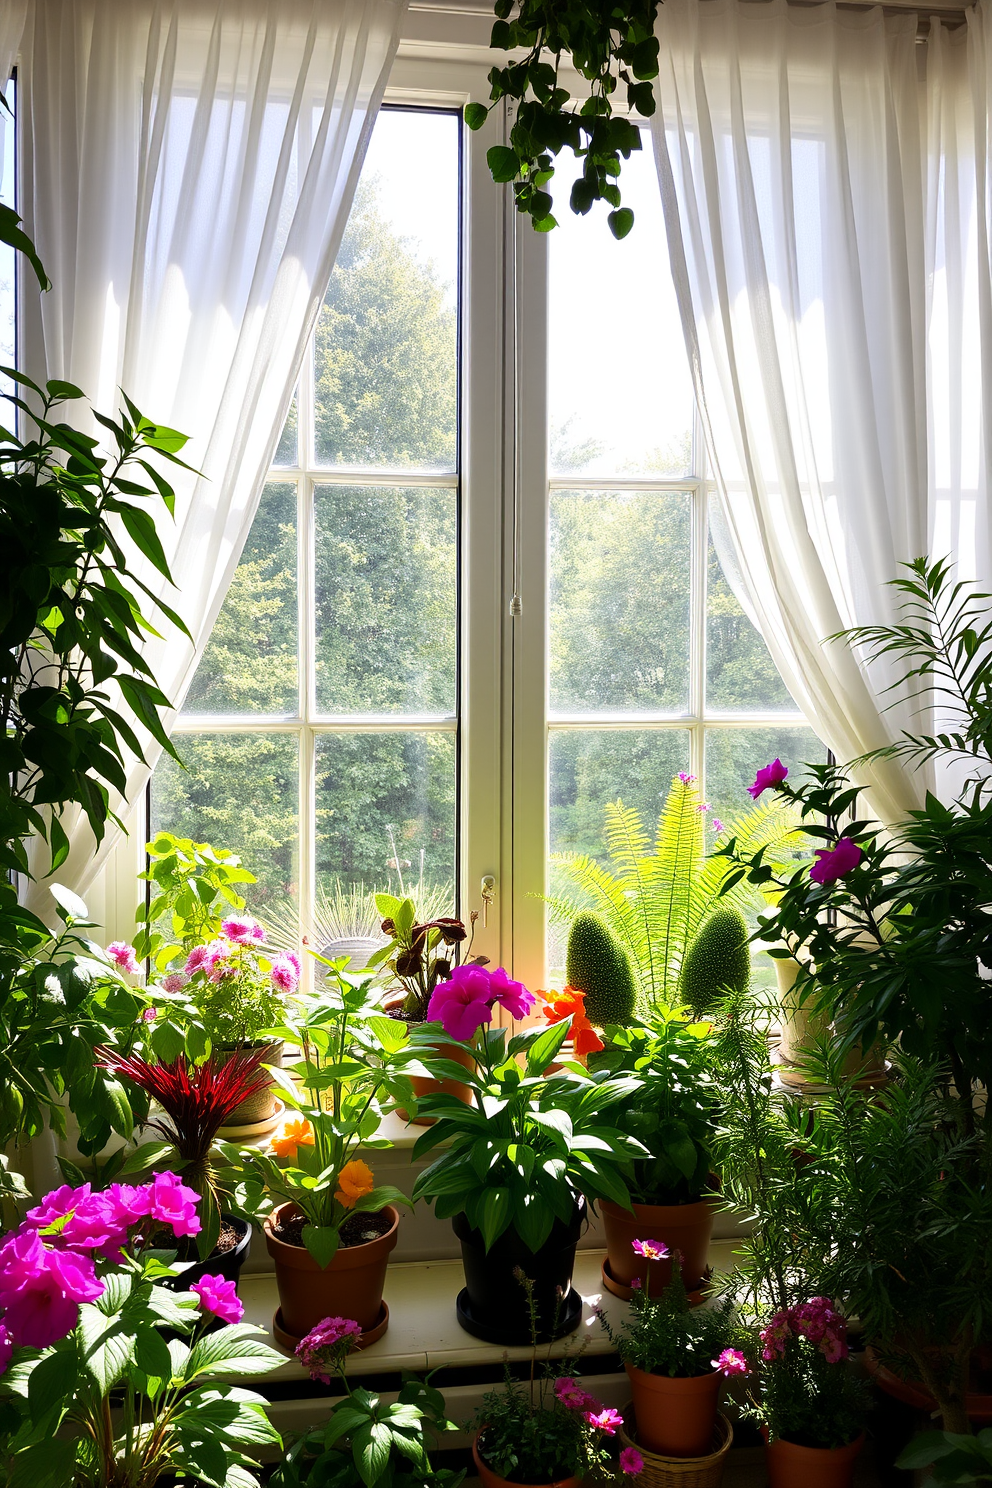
[(681, 1472)]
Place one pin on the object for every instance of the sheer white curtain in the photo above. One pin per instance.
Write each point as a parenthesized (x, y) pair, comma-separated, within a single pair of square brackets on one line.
[(188, 168), (819, 192)]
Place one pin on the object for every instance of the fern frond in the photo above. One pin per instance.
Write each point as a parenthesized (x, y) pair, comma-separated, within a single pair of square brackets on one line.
[(607, 895), (679, 856)]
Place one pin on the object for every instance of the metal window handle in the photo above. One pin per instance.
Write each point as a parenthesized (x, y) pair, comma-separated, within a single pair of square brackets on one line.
[(488, 897)]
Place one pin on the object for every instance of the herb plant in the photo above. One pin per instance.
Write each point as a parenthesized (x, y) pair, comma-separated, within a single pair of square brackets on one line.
[(664, 1335)]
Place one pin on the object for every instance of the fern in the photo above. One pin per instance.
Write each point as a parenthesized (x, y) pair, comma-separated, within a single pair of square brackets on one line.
[(654, 896)]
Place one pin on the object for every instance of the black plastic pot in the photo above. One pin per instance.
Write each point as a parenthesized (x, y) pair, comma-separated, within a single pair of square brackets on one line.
[(493, 1304), (227, 1265)]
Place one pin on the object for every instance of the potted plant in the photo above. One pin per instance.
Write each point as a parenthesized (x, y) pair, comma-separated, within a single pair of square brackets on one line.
[(517, 1168), (365, 1441), (197, 1099), (547, 1430), (328, 1227), (675, 1357), (83, 1305), (673, 1115)]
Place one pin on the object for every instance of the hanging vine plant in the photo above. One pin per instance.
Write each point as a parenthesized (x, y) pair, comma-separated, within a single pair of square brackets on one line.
[(609, 46)]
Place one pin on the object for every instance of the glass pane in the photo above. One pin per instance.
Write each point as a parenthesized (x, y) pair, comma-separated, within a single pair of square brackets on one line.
[(734, 756), (622, 404), (385, 353), (287, 451), (385, 590), (740, 673), (386, 812), (240, 792), (249, 665), (619, 624)]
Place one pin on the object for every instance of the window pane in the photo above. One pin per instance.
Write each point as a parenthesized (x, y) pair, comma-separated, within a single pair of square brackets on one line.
[(385, 590), (288, 451), (619, 624), (740, 673), (386, 811), (249, 665), (734, 756), (385, 351), (621, 406), (238, 791), (590, 767)]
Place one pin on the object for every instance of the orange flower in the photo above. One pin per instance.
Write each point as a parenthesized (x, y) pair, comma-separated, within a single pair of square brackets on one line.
[(571, 1002), (354, 1182), (296, 1133)]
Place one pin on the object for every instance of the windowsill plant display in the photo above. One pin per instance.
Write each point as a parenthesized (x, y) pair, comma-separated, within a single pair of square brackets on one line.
[(328, 1228), (518, 1167), (365, 1443), (81, 1288), (673, 1115), (675, 1357)]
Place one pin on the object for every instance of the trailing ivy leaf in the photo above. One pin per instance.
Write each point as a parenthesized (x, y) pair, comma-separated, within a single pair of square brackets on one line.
[(476, 115), (502, 162), (621, 221)]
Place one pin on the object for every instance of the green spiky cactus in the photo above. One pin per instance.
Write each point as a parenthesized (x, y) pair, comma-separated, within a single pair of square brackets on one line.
[(717, 961), (598, 966)]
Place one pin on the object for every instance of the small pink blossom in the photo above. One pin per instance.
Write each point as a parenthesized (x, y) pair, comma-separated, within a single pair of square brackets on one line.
[(123, 956), (687, 779), (284, 974), (704, 807), (775, 1335), (172, 1204), (6, 1348), (834, 863), (571, 1395), (205, 957), (731, 1362), (240, 929), (220, 1297), (258, 932), (631, 1462), (768, 775), (149, 1015), (175, 981), (606, 1421), (326, 1346), (461, 1004), (717, 824), (636, 1283), (651, 1250), (294, 962)]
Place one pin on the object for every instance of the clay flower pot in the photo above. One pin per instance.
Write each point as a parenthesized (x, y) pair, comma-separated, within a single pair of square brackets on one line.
[(683, 1227), (675, 1417), (489, 1479), (351, 1286), (792, 1466), (423, 1085), (261, 1107)]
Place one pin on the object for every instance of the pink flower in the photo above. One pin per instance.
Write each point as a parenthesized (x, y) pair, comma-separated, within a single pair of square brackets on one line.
[(686, 779), (768, 775), (88, 1221), (173, 1204), (704, 807), (175, 981), (326, 1346), (631, 1462), (731, 1362), (258, 932), (219, 1296), (6, 1348), (651, 1250), (240, 929), (717, 824), (509, 994), (834, 862), (606, 1421), (462, 1003), (294, 962), (636, 1283), (41, 1289), (775, 1335), (123, 955), (149, 1015), (571, 1395), (285, 975)]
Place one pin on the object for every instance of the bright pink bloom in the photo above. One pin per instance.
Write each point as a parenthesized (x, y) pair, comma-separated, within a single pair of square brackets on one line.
[(717, 824), (768, 775), (196, 959), (219, 1296), (687, 779), (239, 928), (41, 1289), (606, 1421), (285, 975), (651, 1250), (631, 1462), (326, 1346), (175, 981), (462, 1003), (90, 1221), (123, 955), (294, 962), (775, 1335), (6, 1348), (130, 1203), (636, 1283), (731, 1362), (509, 994), (173, 1204), (149, 1015), (258, 932), (833, 863), (571, 1394)]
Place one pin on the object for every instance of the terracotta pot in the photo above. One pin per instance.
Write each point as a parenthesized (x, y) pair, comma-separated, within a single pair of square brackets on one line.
[(684, 1227), (489, 1479), (258, 1107), (351, 1286), (978, 1400), (423, 1085), (675, 1417), (792, 1466)]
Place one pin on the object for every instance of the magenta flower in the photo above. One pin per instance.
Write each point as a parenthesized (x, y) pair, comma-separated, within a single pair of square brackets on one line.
[(768, 775), (41, 1289), (636, 1283), (461, 1004), (631, 1462), (326, 1346), (284, 974), (201, 957), (571, 1395), (258, 932), (686, 779), (775, 1335), (651, 1250), (123, 956), (509, 994), (6, 1348), (717, 824), (731, 1362), (294, 962), (173, 1204), (219, 1296), (606, 1421), (88, 1221), (240, 929), (149, 1015), (833, 863)]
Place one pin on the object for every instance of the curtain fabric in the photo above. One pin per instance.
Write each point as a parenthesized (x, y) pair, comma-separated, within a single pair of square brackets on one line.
[(188, 169), (817, 170)]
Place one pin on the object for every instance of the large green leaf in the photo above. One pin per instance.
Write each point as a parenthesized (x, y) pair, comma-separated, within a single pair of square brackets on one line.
[(237, 1350)]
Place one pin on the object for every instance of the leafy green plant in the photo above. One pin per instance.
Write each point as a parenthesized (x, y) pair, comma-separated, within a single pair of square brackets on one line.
[(806, 1393), (655, 896), (951, 1458), (418, 955), (193, 886), (664, 1335), (607, 47)]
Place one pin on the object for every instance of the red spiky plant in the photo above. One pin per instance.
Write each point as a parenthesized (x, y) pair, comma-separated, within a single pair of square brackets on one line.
[(197, 1100)]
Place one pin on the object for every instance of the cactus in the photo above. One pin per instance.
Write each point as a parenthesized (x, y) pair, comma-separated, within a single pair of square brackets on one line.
[(717, 961), (598, 966)]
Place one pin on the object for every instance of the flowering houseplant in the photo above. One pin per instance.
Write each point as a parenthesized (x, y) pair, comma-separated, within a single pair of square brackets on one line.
[(806, 1394), (417, 955), (83, 1305), (664, 1335), (365, 1441)]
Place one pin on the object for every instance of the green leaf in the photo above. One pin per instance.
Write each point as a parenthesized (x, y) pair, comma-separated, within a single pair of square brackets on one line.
[(141, 530), (503, 162), (11, 232), (53, 1380), (543, 1050), (151, 1353), (620, 222), (476, 115), (47, 1464), (322, 1243), (238, 1350)]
